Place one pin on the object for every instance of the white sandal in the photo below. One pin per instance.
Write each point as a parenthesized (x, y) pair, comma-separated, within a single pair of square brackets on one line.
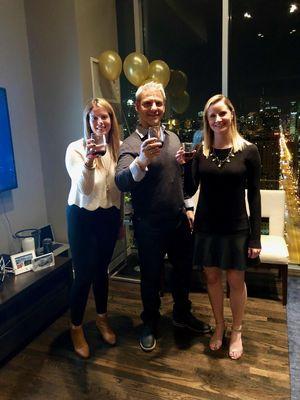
[(235, 353), (216, 342)]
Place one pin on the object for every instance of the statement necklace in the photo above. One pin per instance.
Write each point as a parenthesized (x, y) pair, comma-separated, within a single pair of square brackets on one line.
[(219, 161)]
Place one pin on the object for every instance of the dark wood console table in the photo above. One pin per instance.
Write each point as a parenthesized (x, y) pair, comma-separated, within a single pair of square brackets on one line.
[(30, 302)]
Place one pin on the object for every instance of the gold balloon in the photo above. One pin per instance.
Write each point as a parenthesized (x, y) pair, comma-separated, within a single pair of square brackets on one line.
[(110, 65), (159, 72), (180, 103), (177, 83), (136, 68), (146, 81)]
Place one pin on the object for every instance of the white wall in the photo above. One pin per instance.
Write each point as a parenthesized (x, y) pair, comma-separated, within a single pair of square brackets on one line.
[(97, 32), (25, 206), (54, 56), (46, 101), (63, 36)]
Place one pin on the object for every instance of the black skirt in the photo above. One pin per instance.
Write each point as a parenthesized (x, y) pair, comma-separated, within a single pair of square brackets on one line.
[(225, 251)]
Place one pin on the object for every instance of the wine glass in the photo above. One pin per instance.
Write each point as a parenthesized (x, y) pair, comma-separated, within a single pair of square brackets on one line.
[(155, 132), (188, 148), (101, 144)]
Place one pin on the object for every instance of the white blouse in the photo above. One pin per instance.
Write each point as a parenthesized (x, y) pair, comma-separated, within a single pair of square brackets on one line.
[(93, 188)]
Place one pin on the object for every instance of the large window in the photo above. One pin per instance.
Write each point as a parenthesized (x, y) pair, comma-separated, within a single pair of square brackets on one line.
[(264, 85), (187, 36), (264, 80), (126, 44), (263, 77)]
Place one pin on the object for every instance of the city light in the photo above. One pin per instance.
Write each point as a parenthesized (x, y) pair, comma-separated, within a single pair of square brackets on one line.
[(289, 184), (284, 149), (293, 8)]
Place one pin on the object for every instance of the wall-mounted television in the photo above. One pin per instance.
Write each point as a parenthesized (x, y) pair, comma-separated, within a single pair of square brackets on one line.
[(8, 177)]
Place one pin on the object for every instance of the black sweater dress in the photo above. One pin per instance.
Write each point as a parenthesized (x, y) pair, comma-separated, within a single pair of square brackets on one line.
[(223, 230)]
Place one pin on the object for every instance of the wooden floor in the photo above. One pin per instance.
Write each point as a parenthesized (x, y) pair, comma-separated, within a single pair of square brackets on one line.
[(294, 332), (181, 367)]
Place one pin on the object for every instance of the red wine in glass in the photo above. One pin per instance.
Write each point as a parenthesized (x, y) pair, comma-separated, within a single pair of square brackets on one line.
[(155, 132), (188, 155), (188, 151), (100, 142)]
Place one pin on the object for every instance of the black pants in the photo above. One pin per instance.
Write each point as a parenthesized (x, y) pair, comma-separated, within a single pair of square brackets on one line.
[(92, 238), (154, 241)]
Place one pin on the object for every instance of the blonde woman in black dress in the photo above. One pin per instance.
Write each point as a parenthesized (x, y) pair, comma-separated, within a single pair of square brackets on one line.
[(225, 237)]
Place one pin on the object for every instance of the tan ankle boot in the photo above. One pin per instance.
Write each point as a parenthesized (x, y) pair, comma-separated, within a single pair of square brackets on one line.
[(105, 330), (80, 344)]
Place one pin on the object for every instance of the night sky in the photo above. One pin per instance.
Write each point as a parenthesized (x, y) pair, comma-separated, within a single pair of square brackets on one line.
[(187, 35), (267, 65)]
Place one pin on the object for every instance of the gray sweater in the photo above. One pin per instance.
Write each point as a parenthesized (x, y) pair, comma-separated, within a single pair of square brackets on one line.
[(158, 197)]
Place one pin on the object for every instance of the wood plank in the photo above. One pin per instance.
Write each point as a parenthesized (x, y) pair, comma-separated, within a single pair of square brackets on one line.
[(180, 368)]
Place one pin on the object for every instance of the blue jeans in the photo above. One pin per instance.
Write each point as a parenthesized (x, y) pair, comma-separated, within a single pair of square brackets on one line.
[(154, 240)]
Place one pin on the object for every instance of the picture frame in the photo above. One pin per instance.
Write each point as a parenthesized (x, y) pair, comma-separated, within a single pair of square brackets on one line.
[(43, 261), (22, 262)]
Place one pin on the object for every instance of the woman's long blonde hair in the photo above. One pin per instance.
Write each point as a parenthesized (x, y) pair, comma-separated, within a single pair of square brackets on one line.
[(113, 137), (238, 142)]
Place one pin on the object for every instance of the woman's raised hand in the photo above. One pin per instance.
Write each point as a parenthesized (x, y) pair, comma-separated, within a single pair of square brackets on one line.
[(90, 146), (180, 156)]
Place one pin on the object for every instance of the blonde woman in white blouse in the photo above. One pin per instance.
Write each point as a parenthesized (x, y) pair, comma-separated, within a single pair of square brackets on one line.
[(93, 216)]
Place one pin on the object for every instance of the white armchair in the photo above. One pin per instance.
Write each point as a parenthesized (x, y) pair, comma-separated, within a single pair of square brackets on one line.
[(274, 252)]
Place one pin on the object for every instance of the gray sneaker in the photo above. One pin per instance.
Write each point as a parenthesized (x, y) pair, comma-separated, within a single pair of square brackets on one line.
[(147, 338)]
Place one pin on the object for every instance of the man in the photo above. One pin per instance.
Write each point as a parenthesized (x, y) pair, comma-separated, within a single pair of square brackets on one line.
[(147, 168)]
